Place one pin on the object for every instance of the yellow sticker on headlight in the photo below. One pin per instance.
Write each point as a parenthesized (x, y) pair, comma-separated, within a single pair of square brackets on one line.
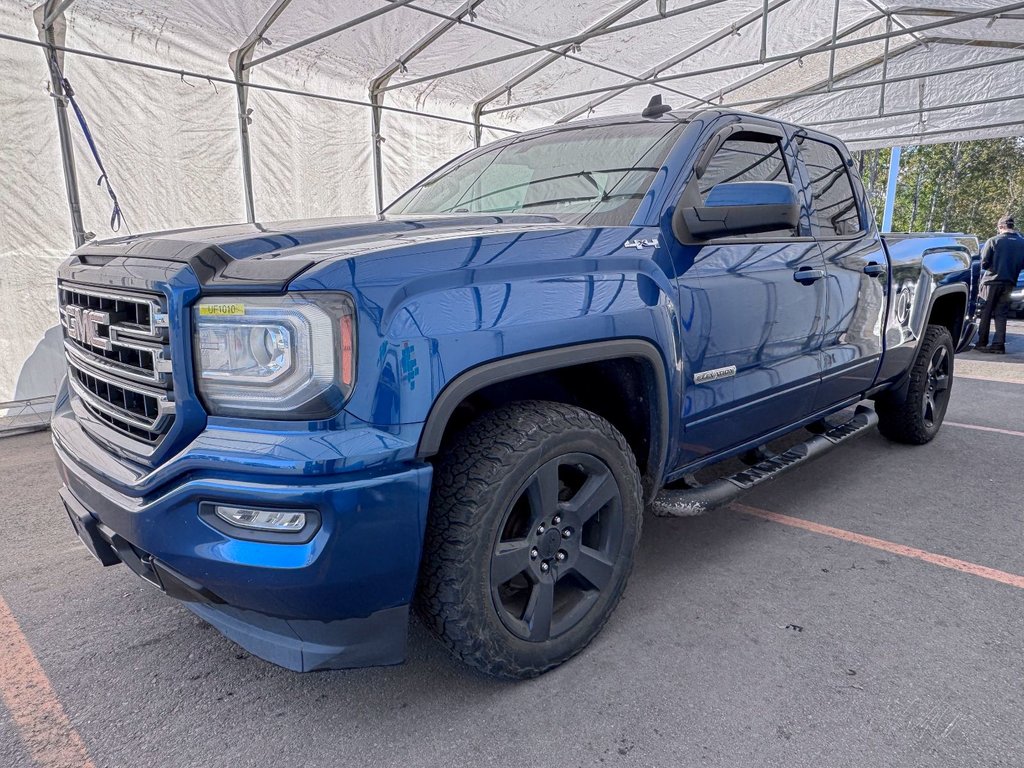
[(221, 310)]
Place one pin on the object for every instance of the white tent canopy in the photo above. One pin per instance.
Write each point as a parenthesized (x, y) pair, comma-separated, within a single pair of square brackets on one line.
[(345, 104)]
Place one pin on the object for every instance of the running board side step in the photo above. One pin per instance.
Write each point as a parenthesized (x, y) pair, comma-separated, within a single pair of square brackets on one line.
[(689, 502)]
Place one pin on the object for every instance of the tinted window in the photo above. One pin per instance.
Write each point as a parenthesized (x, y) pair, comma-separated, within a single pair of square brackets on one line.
[(746, 159), (598, 173), (834, 202)]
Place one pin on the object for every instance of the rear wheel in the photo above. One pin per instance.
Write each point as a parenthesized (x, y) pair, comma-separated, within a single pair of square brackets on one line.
[(915, 417), (534, 522)]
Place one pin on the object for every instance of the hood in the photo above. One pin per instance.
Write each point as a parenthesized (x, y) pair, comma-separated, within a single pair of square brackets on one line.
[(271, 255)]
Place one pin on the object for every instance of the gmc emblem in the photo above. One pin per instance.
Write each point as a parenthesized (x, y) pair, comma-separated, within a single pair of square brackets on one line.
[(83, 326)]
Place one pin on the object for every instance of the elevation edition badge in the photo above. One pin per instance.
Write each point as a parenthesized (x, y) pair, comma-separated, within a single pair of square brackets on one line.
[(714, 374)]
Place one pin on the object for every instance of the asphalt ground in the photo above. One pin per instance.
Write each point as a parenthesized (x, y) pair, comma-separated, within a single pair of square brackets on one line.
[(741, 641)]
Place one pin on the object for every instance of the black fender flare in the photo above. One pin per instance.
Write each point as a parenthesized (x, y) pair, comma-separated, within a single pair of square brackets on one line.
[(495, 371), (899, 387), (945, 290), (948, 290)]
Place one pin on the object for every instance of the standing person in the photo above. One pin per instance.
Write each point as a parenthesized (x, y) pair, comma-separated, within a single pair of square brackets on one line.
[(1002, 258)]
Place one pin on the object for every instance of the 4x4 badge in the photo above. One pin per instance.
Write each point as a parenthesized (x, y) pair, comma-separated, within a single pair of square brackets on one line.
[(640, 244)]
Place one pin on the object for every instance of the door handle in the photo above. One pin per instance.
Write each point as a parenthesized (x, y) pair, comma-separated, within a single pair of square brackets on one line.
[(874, 269), (806, 275)]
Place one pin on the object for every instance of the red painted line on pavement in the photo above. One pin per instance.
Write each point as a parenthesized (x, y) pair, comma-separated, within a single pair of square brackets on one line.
[(44, 727), (985, 429), (963, 566)]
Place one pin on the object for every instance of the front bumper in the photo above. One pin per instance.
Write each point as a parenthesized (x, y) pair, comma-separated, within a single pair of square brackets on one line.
[(339, 600)]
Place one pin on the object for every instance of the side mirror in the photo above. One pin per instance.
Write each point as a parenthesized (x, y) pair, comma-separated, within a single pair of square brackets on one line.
[(743, 208)]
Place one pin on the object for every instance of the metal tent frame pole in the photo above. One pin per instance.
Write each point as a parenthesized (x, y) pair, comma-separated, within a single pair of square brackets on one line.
[(895, 14), (50, 21), (777, 99), (915, 111), (791, 56), (209, 78), (764, 30), (54, 9), (379, 83), (507, 86), (885, 64), (242, 100), (679, 58), (772, 68), (354, 22), (839, 34), (559, 50), (556, 46), (832, 53), (825, 86), (814, 88), (882, 139), (49, 17), (948, 12), (589, 33), (239, 61)]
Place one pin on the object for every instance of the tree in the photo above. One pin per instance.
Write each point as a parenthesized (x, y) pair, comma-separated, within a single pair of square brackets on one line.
[(963, 186)]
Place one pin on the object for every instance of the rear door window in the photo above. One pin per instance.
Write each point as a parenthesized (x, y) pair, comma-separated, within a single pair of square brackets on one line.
[(835, 212)]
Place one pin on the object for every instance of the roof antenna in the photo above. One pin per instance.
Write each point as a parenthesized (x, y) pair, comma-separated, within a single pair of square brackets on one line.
[(655, 108)]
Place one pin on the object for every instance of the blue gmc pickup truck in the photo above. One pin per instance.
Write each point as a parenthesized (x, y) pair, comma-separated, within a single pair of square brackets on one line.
[(467, 403)]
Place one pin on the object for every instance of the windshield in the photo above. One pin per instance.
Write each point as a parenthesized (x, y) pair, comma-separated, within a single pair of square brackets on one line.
[(597, 173)]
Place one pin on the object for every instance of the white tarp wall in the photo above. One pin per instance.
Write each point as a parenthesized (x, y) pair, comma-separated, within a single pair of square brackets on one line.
[(171, 143)]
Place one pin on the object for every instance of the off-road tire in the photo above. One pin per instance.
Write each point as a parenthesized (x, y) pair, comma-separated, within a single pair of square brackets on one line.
[(480, 481), (904, 419)]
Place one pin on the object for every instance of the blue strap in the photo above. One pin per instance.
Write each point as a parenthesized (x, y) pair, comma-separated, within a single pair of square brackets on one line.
[(116, 216)]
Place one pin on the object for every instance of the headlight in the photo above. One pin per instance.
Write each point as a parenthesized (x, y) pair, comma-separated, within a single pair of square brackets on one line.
[(285, 357)]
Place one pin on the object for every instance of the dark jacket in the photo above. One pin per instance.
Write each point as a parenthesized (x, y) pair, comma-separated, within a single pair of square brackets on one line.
[(1003, 258)]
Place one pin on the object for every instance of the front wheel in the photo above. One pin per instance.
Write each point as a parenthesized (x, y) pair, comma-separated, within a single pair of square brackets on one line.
[(534, 522), (915, 417)]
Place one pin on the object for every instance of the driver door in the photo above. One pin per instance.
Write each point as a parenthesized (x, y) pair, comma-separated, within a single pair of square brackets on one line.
[(759, 301)]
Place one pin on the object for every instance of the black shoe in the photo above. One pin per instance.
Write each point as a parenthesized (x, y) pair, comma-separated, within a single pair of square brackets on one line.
[(993, 350), (978, 348)]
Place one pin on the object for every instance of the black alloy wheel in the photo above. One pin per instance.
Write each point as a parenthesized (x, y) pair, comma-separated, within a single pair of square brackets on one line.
[(936, 397), (535, 516), (912, 411), (556, 548)]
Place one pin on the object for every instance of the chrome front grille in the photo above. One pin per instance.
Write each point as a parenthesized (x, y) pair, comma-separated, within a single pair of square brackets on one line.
[(118, 354)]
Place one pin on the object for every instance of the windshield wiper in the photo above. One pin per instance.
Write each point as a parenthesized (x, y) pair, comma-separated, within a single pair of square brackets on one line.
[(589, 175), (560, 200)]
